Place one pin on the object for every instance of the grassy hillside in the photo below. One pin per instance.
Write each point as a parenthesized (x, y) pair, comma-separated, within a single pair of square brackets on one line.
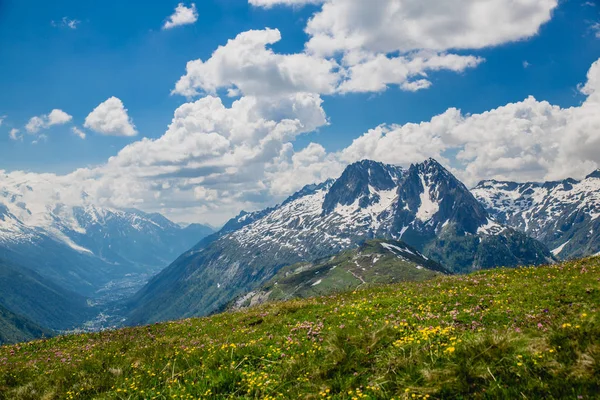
[(15, 328), (40, 300), (527, 333), (375, 262)]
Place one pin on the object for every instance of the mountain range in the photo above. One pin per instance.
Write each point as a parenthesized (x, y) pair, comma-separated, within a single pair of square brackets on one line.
[(60, 263), (424, 206), (564, 215), (376, 223)]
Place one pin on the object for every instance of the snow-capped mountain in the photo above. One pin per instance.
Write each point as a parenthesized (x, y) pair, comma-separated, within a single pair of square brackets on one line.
[(424, 206), (563, 215), (85, 247)]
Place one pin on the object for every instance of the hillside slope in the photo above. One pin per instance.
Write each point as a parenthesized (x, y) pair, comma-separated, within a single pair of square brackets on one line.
[(28, 294), (374, 262), (15, 328), (499, 334)]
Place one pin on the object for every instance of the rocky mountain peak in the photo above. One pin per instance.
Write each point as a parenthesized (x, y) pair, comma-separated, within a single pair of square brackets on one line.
[(437, 197), (361, 182)]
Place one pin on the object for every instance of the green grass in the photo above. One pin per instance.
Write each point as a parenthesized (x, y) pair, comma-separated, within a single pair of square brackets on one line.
[(528, 333), (368, 265)]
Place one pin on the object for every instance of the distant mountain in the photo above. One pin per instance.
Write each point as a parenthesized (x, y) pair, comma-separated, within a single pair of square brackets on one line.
[(424, 206), (26, 293), (86, 248), (564, 215), (374, 262), (15, 328)]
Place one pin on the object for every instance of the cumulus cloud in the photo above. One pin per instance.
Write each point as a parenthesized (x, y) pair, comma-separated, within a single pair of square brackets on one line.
[(387, 26), (56, 117), (110, 118), (2, 118), (14, 134), (211, 162), (293, 170), (206, 136), (248, 65), (182, 16), (375, 73), (215, 159), (528, 140), (78, 132), (380, 42)]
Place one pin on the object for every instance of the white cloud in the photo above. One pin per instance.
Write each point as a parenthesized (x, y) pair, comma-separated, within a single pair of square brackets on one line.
[(376, 73), (215, 160), (381, 42), (78, 132), (110, 118), (292, 170), (272, 3), (56, 117), (40, 138), (14, 134), (386, 26), (246, 64), (182, 16), (595, 27), (2, 118), (66, 22), (592, 86), (528, 140)]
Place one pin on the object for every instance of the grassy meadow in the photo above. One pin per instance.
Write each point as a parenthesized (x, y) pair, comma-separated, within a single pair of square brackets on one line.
[(525, 333)]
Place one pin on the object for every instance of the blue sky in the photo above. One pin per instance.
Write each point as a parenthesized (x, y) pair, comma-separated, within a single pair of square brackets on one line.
[(119, 49)]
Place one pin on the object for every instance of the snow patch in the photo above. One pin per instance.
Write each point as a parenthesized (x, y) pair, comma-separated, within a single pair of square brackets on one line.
[(490, 228), (560, 248), (428, 207), (392, 247)]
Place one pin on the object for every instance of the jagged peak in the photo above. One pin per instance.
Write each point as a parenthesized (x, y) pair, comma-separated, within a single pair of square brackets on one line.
[(370, 165), (594, 175), (308, 190)]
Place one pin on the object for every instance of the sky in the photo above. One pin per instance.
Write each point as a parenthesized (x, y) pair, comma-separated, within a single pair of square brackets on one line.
[(199, 110)]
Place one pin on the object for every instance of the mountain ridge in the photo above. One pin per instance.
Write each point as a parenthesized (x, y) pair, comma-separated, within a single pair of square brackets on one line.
[(85, 247), (561, 214), (426, 207), (374, 262)]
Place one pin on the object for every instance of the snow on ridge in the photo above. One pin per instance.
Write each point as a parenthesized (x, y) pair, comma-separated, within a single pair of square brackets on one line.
[(533, 207), (392, 247), (428, 207), (66, 240), (560, 248), (490, 228)]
